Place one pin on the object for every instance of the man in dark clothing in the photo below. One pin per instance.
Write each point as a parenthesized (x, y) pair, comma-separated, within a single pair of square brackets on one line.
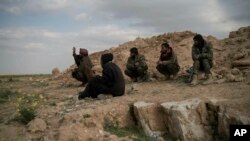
[(83, 72), (136, 67), (168, 63), (111, 81), (202, 56)]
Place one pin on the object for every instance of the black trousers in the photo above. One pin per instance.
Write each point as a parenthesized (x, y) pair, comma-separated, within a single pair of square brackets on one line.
[(169, 69), (94, 88)]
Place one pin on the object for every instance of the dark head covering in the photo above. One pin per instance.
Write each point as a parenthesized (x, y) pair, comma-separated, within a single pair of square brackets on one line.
[(198, 37), (166, 52), (200, 40), (134, 50), (107, 57), (83, 51), (165, 44)]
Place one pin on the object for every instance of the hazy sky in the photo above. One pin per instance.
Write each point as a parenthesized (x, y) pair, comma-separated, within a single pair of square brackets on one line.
[(38, 35)]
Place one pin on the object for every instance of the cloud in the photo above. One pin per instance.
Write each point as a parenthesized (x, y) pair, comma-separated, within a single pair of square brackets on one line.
[(33, 7), (48, 29), (35, 46), (95, 38), (53, 4), (50, 48), (30, 33), (13, 10), (82, 17), (98, 38), (235, 10), (206, 17)]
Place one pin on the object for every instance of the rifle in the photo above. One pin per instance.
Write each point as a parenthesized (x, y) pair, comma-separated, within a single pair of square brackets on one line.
[(191, 73)]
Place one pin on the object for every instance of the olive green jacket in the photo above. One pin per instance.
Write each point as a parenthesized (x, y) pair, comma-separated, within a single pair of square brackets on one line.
[(206, 53), (138, 62)]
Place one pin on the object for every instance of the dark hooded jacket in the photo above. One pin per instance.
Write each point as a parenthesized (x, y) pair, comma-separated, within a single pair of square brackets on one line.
[(111, 81), (112, 77)]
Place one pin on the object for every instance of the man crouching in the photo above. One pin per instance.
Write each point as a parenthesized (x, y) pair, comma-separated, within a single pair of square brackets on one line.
[(202, 56)]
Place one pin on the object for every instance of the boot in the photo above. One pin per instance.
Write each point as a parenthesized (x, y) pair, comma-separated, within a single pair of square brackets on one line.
[(194, 80), (167, 76), (82, 95), (175, 76), (134, 79), (209, 79)]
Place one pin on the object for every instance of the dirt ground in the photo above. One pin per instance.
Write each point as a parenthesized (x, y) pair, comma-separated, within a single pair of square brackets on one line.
[(59, 115), (62, 112)]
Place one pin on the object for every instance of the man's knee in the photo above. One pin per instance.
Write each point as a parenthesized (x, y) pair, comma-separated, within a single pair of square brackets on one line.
[(173, 68), (141, 71), (196, 66), (161, 69), (128, 73), (73, 74), (207, 66), (76, 75)]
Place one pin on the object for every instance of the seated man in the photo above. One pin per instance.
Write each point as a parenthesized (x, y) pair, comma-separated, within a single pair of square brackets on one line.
[(168, 63), (202, 56), (111, 81), (136, 67), (83, 72)]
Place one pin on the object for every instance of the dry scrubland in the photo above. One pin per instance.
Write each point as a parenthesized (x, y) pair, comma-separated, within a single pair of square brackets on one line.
[(45, 107)]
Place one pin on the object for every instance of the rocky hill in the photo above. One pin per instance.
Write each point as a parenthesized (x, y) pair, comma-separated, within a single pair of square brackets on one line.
[(231, 55)]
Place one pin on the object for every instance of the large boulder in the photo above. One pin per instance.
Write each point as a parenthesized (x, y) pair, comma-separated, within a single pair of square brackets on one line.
[(149, 117), (228, 117), (55, 72), (187, 120), (37, 125)]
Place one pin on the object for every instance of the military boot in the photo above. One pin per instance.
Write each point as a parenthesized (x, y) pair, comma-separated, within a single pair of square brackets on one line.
[(175, 76), (209, 79), (144, 78), (194, 80), (167, 76), (134, 79), (82, 95)]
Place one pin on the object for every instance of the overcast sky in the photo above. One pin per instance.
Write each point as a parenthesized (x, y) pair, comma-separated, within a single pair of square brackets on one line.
[(38, 35)]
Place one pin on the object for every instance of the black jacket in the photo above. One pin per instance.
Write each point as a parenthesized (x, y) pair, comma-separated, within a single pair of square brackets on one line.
[(113, 78)]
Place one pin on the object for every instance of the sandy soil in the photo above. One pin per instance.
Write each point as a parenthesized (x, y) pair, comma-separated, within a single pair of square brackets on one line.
[(62, 112)]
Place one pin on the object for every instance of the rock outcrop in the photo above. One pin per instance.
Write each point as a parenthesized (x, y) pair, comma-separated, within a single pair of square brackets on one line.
[(150, 118), (55, 72), (189, 120), (37, 125)]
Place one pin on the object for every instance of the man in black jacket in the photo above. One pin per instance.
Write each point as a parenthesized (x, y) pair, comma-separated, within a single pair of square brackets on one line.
[(111, 81)]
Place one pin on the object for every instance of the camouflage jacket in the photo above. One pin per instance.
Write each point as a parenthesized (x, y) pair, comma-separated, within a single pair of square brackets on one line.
[(138, 62), (84, 64), (206, 52)]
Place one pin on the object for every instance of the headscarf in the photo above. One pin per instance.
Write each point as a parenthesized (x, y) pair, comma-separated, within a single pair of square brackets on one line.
[(200, 40), (83, 51), (166, 54)]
